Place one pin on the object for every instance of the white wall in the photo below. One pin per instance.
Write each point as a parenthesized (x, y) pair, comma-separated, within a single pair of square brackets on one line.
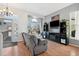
[(22, 19), (77, 24)]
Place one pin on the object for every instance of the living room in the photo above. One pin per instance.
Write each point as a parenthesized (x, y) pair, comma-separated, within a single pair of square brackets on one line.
[(48, 32)]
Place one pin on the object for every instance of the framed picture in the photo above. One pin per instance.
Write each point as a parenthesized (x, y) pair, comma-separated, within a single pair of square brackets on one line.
[(55, 18)]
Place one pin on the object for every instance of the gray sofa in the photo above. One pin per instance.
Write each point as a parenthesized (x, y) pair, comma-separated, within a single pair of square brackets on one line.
[(34, 44)]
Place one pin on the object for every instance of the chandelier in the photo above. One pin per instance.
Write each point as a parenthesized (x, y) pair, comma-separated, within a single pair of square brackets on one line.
[(6, 12)]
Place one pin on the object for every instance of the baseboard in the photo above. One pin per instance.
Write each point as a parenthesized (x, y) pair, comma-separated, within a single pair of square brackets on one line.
[(74, 42), (74, 45)]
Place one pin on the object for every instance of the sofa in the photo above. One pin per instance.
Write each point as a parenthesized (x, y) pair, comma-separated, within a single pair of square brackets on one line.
[(34, 44)]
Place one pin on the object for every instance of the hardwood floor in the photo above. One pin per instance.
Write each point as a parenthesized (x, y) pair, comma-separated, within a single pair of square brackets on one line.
[(54, 49)]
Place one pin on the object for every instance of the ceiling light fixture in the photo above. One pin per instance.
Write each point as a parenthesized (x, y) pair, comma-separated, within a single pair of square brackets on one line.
[(6, 12)]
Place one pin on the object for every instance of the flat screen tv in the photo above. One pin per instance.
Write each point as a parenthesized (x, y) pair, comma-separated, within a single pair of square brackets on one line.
[(54, 23)]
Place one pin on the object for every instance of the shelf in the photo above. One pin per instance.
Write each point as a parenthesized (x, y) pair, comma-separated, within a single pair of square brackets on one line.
[(62, 27)]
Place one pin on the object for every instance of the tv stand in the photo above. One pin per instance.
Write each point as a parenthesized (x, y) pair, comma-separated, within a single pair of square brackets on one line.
[(61, 36), (54, 37)]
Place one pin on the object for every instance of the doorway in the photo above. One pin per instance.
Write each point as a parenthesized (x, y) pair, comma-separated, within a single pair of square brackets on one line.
[(7, 33)]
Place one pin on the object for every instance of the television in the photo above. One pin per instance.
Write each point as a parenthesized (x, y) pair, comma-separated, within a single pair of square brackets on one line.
[(54, 23)]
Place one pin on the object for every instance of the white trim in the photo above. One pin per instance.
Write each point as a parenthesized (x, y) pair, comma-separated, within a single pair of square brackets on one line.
[(1, 43)]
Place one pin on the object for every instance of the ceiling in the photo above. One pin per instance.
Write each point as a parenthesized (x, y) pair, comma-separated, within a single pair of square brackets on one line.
[(40, 8)]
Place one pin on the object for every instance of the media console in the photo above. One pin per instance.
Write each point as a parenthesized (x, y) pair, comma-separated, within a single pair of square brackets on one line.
[(54, 37), (58, 32)]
